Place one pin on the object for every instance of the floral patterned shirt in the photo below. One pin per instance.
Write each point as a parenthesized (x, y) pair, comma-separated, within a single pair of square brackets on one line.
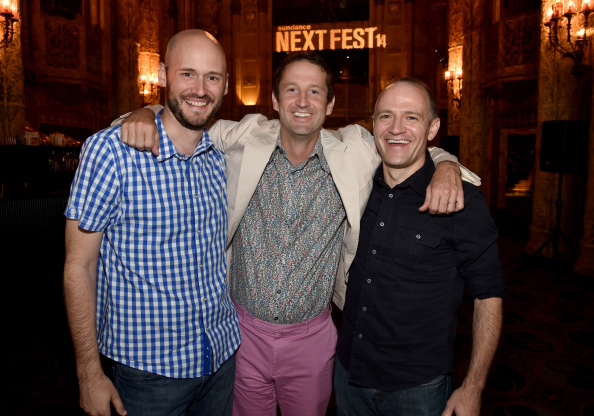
[(287, 246)]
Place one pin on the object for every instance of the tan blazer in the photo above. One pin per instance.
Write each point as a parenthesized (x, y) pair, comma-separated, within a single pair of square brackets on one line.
[(351, 155)]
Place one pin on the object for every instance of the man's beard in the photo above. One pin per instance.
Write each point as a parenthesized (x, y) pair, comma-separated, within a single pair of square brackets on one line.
[(196, 123)]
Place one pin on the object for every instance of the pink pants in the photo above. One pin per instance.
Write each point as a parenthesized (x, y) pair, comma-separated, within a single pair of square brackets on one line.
[(291, 365)]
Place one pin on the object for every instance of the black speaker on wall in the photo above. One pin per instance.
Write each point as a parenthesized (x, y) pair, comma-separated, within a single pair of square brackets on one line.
[(564, 146)]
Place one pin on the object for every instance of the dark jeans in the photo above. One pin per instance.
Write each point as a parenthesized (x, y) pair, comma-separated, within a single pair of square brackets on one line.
[(147, 394), (428, 399)]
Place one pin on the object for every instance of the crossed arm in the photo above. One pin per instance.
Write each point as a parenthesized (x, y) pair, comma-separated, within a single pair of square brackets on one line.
[(486, 328), (80, 277), (444, 193)]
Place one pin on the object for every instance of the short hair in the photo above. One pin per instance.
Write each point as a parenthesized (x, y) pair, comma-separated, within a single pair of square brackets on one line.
[(311, 57), (420, 84)]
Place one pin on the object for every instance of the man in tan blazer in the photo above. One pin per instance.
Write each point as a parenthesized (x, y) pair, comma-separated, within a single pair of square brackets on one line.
[(283, 259)]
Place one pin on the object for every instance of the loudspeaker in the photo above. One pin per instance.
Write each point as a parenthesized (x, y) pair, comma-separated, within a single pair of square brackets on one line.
[(564, 146)]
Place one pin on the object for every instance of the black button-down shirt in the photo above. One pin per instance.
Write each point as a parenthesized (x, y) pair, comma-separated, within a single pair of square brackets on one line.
[(407, 280)]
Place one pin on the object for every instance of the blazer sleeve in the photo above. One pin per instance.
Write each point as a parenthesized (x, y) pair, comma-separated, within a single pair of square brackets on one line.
[(225, 133), (440, 155)]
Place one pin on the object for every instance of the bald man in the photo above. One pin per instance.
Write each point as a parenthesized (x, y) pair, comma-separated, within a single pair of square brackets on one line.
[(144, 277)]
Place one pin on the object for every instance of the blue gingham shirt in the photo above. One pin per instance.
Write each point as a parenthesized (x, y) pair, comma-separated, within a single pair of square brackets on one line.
[(163, 303)]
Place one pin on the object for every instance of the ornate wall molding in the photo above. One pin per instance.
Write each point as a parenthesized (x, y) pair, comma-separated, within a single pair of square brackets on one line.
[(520, 40), (207, 16), (63, 44)]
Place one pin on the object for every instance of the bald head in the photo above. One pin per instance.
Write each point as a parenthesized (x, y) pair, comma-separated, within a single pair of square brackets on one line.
[(195, 75), (417, 83), (197, 38)]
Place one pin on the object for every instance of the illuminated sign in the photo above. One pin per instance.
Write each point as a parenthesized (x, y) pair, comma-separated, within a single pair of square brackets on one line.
[(352, 35)]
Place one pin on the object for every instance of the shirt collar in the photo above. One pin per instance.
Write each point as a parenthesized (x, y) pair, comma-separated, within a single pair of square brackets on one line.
[(167, 149), (317, 151), (418, 181)]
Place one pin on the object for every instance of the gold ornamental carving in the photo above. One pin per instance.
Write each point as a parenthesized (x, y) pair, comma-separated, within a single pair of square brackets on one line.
[(207, 16), (394, 8), (62, 44), (250, 15)]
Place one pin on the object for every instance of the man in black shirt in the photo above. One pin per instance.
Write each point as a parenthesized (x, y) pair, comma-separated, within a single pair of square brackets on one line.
[(395, 347)]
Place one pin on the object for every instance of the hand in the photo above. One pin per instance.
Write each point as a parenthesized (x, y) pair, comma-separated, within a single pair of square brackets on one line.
[(464, 402), (96, 395), (139, 130), (444, 193)]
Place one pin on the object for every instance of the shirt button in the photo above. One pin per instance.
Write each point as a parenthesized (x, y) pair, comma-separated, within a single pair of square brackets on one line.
[(418, 236), (278, 292), (73, 211), (381, 224), (201, 265), (207, 328), (360, 335), (372, 251), (368, 280), (197, 231), (276, 318), (204, 299), (391, 196), (364, 309), (195, 196)]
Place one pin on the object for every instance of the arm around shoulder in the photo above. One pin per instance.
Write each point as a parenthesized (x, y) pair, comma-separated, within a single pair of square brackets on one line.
[(225, 133), (139, 129), (445, 194), (440, 155)]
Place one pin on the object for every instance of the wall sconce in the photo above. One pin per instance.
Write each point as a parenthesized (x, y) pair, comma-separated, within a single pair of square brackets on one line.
[(574, 49), (8, 10), (454, 81), (150, 93)]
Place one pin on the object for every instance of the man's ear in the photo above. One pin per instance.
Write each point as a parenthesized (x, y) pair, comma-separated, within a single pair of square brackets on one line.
[(226, 84), (330, 106), (274, 102), (433, 129), (162, 75)]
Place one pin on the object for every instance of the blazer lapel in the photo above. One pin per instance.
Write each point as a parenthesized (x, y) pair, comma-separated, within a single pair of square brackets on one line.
[(341, 163), (256, 153)]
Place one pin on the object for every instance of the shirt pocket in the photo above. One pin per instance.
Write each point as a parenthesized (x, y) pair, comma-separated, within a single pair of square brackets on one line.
[(419, 250)]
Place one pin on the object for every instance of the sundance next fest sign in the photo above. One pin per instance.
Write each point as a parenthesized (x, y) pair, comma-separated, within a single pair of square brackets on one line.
[(352, 35)]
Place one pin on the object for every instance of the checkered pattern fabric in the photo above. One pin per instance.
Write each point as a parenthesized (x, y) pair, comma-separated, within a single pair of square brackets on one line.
[(163, 303)]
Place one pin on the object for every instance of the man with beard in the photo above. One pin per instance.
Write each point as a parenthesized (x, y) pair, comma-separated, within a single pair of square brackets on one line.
[(144, 277)]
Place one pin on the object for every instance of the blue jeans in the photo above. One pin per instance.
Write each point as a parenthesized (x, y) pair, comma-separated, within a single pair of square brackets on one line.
[(148, 394), (428, 399)]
